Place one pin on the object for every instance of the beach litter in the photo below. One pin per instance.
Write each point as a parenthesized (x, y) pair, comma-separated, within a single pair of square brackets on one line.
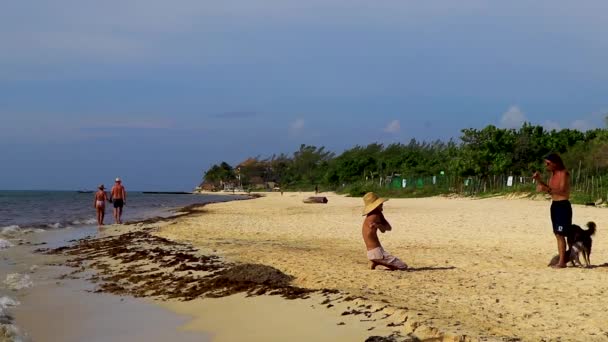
[(313, 200)]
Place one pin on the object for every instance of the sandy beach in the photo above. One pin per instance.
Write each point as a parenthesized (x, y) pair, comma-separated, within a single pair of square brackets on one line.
[(480, 266), (479, 271)]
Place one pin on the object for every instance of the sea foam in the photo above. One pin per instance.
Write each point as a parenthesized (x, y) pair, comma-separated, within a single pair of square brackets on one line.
[(6, 302), (10, 230), (8, 331), (85, 222), (17, 281), (4, 244)]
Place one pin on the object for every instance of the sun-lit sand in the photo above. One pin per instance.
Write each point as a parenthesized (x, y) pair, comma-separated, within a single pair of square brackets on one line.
[(480, 266)]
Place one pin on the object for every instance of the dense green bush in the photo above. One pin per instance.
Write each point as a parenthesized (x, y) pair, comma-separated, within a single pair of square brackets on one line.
[(479, 163)]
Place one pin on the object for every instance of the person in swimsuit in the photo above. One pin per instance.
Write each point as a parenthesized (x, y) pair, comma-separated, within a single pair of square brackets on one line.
[(99, 203), (374, 221), (561, 209), (119, 198)]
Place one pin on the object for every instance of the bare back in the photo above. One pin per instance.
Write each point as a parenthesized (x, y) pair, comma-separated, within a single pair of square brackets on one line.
[(118, 192), (101, 196), (371, 224), (370, 234)]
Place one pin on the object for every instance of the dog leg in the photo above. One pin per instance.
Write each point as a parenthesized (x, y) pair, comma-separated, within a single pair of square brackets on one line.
[(576, 259), (572, 255), (586, 257)]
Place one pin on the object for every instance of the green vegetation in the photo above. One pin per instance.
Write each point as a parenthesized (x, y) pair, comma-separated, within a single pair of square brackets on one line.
[(479, 164)]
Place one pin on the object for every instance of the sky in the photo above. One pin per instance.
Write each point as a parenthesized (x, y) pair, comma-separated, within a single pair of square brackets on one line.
[(157, 91)]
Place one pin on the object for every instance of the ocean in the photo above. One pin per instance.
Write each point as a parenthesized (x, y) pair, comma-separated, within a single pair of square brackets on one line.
[(27, 210)]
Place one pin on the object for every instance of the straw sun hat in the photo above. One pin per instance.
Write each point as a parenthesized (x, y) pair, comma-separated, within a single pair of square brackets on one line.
[(372, 201)]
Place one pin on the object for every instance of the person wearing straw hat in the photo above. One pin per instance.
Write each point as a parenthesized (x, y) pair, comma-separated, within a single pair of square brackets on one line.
[(99, 203), (374, 221)]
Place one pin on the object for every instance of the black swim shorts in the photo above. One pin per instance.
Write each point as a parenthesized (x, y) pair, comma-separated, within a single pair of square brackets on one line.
[(561, 217), (118, 203)]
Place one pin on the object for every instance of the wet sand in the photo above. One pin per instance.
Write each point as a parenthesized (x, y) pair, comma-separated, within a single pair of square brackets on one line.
[(68, 313), (58, 307)]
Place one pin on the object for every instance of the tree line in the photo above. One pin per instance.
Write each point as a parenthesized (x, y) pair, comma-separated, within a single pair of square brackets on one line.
[(482, 154)]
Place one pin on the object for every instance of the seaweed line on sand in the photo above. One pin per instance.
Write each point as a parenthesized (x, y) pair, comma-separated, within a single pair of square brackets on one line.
[(141, 264)]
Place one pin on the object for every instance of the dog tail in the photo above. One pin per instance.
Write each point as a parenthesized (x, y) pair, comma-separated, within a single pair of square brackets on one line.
[(591, 228)]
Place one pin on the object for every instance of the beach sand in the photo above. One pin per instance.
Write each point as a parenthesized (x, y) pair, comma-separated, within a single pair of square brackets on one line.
[(479, 265)]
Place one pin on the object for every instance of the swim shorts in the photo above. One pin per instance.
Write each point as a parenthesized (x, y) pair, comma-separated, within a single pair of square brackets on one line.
[(118, 203), (561, 217), (382, 257)]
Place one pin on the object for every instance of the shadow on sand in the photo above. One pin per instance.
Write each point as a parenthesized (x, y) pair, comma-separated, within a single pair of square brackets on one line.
[(420, 269), (430, 268)]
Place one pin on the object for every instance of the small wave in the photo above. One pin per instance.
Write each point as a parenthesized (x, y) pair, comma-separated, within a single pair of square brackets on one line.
[(54, 225), (17, 281), (84, 222), (6, 301), (10, 230), (22, 231), (8, 331), (4, 244)]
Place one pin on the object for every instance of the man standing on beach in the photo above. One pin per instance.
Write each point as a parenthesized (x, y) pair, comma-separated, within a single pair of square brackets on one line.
[(119, 198), (561, 209), (374, 221)]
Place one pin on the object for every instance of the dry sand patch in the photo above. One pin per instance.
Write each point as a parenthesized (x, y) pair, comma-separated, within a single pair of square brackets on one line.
[(481, 263)]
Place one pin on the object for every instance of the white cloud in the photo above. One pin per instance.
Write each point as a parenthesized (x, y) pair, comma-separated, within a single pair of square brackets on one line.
[(513, 118), (393, 127), (552, 125), (597, 119), (581, 125), (296, 127), (129, 123)]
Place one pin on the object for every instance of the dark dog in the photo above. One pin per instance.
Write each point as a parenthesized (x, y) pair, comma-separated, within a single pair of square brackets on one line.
[(580, 242)]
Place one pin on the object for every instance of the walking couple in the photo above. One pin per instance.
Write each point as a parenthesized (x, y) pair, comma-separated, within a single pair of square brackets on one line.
[(118, 197)]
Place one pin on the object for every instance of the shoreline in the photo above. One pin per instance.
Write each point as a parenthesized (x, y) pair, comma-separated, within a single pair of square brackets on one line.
[(172, 274), (40, 284)]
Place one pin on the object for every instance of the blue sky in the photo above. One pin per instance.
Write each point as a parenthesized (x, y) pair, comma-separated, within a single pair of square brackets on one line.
[(157, 91)]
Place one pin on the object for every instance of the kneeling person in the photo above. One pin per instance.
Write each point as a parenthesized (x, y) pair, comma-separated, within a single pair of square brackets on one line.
[(373, 222)]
